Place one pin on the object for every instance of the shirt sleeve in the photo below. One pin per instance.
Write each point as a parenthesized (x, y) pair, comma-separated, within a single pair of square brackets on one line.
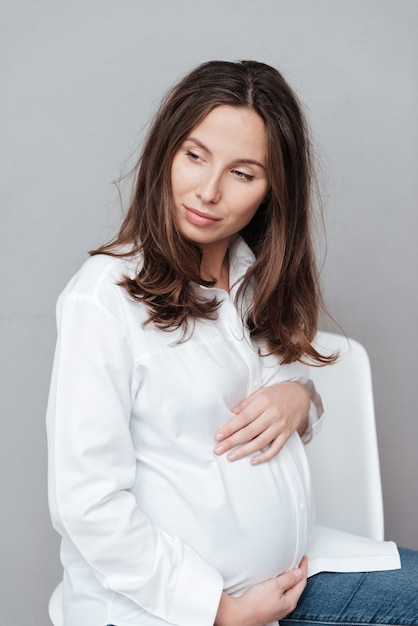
[(316, 412), (92, 469)]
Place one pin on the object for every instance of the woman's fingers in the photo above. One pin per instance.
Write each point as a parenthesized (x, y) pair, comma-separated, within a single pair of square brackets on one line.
[(257, 444), (244, 435), (263, 422), (275, 598), (245, 414), (244, 432)]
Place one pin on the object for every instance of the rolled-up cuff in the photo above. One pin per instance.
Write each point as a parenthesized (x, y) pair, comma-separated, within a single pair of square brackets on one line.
[(197, 603), (316, 413)]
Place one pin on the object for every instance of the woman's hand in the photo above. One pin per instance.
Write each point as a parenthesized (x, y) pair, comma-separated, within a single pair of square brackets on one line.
[(268, 417), (266, 602)]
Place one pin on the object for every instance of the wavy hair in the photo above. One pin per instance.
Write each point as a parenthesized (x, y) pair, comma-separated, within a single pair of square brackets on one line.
[(287, 299)]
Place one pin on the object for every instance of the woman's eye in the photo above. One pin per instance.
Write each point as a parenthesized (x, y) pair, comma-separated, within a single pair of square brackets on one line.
[(192, 155), (242, 175)]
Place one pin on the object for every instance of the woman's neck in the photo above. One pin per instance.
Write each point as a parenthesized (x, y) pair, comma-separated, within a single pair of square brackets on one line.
[(215, 266)]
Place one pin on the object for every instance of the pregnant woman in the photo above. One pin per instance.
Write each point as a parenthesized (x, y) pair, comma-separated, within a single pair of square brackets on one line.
[(180, 400)]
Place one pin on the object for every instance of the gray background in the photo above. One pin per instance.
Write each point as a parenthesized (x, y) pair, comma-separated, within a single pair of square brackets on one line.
[(79, 81)]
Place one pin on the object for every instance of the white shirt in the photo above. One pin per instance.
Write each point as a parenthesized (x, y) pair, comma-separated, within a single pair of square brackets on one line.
[(154, 525)]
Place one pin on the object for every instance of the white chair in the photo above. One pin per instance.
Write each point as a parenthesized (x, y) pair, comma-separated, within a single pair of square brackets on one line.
[(55, 607), (344, 457)]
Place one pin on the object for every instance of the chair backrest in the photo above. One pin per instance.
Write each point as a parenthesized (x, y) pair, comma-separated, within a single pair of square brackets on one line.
[(55, 606), (344, 457)]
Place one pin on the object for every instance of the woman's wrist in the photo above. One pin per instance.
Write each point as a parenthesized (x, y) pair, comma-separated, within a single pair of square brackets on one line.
[(227, 614)]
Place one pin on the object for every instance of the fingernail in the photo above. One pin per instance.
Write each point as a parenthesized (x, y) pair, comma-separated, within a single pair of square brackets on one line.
[(232, 457), (254, 461), (298, 573), (219, 436), (219, 449)]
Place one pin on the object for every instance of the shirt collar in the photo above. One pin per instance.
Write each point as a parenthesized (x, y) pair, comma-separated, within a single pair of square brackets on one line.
[(241, 258)]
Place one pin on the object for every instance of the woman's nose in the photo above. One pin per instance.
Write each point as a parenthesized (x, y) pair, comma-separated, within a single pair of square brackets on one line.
[(208, 189)]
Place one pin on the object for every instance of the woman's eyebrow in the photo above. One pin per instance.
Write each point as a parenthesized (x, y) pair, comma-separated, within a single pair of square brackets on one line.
[(251, 162), (243, 161), (199, 143)]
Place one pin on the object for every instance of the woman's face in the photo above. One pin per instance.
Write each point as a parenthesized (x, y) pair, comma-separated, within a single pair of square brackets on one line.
[(219, 176)]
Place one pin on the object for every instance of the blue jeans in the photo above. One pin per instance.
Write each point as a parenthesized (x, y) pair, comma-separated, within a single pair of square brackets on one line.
[(384, 598)]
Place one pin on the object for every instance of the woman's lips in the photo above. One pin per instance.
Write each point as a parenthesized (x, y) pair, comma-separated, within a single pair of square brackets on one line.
[(200, 219)]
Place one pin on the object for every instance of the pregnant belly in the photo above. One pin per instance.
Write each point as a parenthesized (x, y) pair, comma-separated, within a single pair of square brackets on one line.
[(249, 522)]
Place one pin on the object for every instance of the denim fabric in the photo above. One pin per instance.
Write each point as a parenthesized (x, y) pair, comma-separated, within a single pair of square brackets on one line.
[(384, 598)]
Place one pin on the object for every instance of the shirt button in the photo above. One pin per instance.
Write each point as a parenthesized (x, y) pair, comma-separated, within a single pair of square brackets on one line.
[(302, 506), (256, 384)]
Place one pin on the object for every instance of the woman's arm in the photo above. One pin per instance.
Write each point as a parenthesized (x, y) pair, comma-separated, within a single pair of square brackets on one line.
[(92, 470), (268, 417)]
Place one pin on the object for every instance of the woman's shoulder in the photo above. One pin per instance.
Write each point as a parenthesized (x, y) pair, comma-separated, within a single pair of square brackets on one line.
[(99, 277)]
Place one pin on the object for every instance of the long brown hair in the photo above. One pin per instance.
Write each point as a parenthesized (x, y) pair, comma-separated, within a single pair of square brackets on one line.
[(287, 298)]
